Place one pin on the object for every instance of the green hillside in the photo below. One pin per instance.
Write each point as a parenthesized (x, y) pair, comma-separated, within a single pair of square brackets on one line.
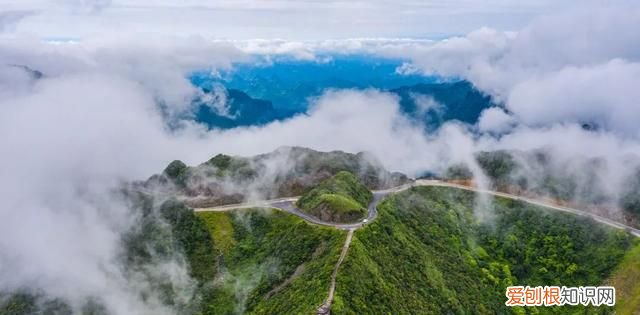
[(287, 171), (626, 280), (341, 198), (269, 262), (426, 254)]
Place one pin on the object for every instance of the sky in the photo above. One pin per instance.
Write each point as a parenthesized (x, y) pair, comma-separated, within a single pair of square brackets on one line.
[(101, 113), (287, 19)]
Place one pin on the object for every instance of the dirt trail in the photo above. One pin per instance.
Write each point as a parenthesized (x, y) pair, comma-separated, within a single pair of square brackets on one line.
[(326, 307)]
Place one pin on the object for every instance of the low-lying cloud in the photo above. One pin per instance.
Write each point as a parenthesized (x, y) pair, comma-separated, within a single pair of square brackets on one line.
[(108, 111), (551, 71)]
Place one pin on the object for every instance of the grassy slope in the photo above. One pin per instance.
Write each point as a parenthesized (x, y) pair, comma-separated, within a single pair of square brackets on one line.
[(260, 253), (341, 198), (626, 280), (426, 255), (220, 226)]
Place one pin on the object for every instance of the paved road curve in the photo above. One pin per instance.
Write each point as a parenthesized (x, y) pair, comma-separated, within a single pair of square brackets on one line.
[(288, 205)]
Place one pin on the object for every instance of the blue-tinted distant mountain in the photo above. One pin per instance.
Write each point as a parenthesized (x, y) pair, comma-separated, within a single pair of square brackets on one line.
[(431, 104), (259, 94), (435, 103), (289, 83), (243, 110)]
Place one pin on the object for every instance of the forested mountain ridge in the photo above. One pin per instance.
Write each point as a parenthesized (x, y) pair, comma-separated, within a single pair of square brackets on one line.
[(287, 171), (425, 253)]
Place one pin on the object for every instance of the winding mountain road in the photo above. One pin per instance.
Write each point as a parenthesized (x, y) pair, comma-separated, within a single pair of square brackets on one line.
[(288, 205), (610, 222)]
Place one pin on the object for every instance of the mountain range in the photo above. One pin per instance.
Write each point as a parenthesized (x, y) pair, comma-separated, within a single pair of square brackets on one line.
[(259, 94), (422, 249)]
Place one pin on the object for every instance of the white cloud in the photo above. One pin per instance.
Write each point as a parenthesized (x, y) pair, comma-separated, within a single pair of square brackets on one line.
[(571, 150), (604, 94), (277, 19), (159, 63), (425, 104), (315, 50), (495, 119), (69, 142), (552, 71), (71, 137)]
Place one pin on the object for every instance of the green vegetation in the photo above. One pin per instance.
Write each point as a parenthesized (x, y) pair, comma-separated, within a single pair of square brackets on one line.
[(220, 225), (540, 173), (24, 303), (165, 233), (499, 166), (309, 167), (17, 304), (177, 172), (245, 261), (298, 169), (458, 171), (626, 280), (341, 198), (270, 263), (238, 168), (192, 238), (427, 254), (161, 235)]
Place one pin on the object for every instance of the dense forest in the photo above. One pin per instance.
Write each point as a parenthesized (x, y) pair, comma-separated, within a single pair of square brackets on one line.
[(270, 263), (427, 254)]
